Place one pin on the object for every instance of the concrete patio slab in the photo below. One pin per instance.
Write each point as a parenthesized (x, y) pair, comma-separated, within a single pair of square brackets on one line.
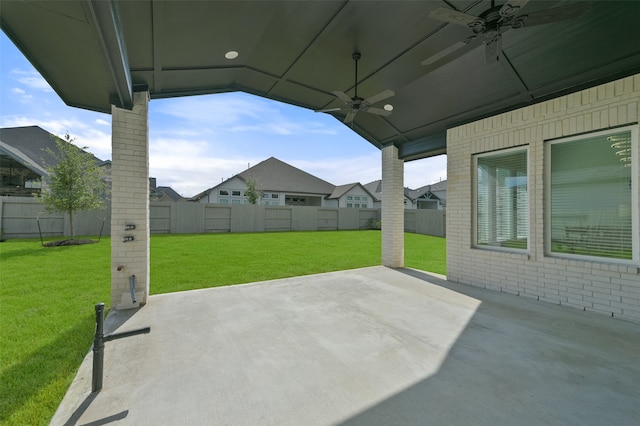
[(372, 346)]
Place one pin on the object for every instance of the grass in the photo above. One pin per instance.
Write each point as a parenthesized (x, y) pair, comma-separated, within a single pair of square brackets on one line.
[(47, 294)]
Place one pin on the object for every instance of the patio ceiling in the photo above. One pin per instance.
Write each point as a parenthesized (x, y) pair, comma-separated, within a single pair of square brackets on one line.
[(93, 53)]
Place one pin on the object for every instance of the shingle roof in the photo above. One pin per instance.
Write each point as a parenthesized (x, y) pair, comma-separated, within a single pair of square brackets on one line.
[(276, 175), (375, 188), (29, 145), (340, 190), (438, 189), (169, 192)]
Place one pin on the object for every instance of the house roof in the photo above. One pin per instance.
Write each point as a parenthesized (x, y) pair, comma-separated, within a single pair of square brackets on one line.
[(30, 146), (375, 188), (439, 190), (168, 192), (276, 175), (94, 54), (340, 190)]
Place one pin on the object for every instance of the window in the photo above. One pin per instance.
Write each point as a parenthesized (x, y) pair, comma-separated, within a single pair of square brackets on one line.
[(592, 198), (364, 198), (266, 195), (356, 198), (223, 192), (502, 202), (349, 197), (274, 196), (235, 193), (235, 201), (32, 183), (349, 205), (223, 201)]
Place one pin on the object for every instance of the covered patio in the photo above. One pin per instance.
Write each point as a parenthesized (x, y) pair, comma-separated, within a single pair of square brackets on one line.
[(377, 345), (372, 346)]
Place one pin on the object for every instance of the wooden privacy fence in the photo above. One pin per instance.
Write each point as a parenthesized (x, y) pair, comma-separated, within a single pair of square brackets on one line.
[(20, 217)]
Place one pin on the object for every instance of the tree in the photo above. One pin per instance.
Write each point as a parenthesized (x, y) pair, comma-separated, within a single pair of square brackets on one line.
[(253, 194), (75, 183)]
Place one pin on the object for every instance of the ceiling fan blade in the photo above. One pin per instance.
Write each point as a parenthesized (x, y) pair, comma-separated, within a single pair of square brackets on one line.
[(452, 52), (342, 96), (350, 116), (512, 7), (379, 97), (446, 52), (377, 111), (453, 16), (327, 110), (548, 16)]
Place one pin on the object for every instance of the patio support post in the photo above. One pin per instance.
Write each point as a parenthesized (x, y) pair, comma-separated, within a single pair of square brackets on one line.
[(130, 204), (392, 208)]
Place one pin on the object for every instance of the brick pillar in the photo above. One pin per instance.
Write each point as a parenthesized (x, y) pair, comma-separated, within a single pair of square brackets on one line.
[(392, 208), (130, 203)]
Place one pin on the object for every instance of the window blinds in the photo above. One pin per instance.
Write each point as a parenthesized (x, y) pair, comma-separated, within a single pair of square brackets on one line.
[(591, 198), (502, 209)]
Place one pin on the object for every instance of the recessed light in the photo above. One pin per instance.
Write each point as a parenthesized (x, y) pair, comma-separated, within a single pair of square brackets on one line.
[(232, 54), (388, 107)]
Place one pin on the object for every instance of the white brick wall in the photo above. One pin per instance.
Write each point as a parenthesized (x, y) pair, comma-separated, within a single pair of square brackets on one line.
[(392, 208), (130, 202), (605, 287)]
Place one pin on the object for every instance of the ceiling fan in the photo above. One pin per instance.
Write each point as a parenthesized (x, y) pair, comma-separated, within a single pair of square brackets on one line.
[(357, 104), (493, 22)]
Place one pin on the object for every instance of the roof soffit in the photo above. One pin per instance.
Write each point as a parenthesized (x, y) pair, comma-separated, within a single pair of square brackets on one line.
[(299, 52)]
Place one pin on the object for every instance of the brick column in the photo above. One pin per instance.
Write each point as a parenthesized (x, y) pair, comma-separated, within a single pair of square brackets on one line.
[(392, 208), (130, 203)]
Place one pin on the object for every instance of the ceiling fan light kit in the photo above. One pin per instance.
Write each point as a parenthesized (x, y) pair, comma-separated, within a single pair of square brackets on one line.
[(355, 104)]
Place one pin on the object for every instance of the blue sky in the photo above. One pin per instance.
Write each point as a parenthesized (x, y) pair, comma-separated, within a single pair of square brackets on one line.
[(196, 142)]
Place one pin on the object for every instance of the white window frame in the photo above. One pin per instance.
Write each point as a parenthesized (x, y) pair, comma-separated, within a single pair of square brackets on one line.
[(635, 202), (474, 207)]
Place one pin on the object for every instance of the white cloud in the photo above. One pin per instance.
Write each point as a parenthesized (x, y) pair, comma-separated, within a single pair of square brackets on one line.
[(238, 112), (31, 79), (102, 122), (191, 166), (424, 172), (96, 141), (187, 167), (364, 169), (18, 91), (341, 171)]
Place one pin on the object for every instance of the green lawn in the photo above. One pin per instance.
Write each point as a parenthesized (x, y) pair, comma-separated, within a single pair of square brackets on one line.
[(47, 294)]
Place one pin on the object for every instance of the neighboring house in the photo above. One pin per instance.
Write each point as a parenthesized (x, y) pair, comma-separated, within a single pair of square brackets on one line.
[(429, 197), (25, 157), (279, 184), (352, 195), (432, 197), (163, 193)]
